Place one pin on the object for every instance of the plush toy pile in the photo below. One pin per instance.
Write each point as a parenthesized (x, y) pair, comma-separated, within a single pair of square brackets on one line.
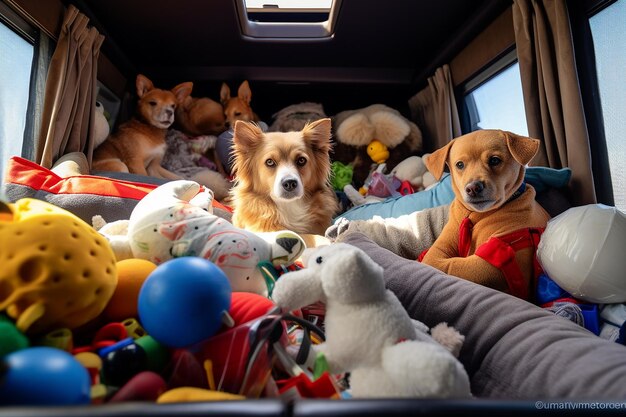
[(160, 307)]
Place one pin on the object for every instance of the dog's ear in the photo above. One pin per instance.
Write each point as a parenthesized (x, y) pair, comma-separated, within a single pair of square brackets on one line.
[(143, 85), (522, 148), (182, 91), (244, 92), (246, 134), (224, 93), (436, 161), (186, 103), (318, 134)]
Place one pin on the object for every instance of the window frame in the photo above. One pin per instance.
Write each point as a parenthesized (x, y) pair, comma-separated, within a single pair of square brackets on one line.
[(492, 69), (23, 29), (20, 26), (287, 31), (580, 12)]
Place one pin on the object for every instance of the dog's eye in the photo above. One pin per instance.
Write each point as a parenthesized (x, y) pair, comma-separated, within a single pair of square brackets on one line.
[(494, 161), (319, 260), (270, 163), (460, 165), (301, 161), (153, 103), (237, 113)]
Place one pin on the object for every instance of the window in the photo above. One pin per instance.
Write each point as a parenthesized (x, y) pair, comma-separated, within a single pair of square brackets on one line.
[(289, 4), (609, 39), (494, 98), (287, 19), (15, 73), (288, 10)]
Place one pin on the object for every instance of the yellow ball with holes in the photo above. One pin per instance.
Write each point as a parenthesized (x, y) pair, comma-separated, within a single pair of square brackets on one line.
[(57, 271)]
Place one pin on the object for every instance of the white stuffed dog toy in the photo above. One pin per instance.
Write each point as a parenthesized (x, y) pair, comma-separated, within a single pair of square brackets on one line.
[(368, 332)]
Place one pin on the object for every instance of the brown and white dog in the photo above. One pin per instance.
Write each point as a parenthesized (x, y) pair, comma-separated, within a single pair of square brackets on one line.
[(237, 108), (138, 145), (282, 179), (494, 221)]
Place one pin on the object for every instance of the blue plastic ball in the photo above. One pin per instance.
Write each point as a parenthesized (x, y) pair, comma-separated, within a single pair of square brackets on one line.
[(182, 301), (43, 376)]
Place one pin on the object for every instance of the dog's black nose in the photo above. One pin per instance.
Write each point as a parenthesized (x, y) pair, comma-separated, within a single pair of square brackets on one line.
[(169, 112), (474, 188), (290, 185)]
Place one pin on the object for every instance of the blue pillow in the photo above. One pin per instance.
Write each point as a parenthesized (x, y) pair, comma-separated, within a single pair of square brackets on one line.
[(539, 177)]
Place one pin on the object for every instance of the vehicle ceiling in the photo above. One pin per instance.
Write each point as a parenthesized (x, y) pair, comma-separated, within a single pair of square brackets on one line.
[(387, 44)]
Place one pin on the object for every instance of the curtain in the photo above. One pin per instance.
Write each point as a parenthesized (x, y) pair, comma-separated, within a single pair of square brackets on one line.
[(434, 110), (41, 63), (552, 97), (69, 104)]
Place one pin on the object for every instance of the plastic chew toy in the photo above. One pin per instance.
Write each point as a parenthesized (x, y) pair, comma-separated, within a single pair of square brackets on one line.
[(57, 271), (11, 339), (44, 376), (184, 301)]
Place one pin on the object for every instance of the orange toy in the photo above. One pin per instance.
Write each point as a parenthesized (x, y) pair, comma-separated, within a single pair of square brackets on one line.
[(131, 273), (57, 271)]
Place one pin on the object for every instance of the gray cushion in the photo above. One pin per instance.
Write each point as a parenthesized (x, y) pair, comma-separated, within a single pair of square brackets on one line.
[(513, 349), (113, 195)]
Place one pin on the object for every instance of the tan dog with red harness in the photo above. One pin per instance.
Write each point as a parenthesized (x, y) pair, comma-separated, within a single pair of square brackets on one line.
[(494, 222)]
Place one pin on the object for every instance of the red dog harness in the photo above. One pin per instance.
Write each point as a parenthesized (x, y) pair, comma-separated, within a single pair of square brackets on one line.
[(500, 251)]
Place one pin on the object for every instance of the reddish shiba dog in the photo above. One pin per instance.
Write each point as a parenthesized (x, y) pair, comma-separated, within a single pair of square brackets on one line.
[(138, 145)]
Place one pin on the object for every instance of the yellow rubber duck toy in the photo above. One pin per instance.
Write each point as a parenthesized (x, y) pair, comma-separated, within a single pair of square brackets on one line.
[(378, 151)]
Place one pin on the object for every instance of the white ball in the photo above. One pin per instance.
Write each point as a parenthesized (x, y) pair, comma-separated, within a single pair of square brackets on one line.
[(583, 251)]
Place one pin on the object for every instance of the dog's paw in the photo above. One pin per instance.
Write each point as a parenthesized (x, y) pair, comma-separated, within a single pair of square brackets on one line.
[(334, 231)]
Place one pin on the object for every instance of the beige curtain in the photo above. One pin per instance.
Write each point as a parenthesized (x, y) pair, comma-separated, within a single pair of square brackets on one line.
[(68, 114), (552, 98), (434, 110)]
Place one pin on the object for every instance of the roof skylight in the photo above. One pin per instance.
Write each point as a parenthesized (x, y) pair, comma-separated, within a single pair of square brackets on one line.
[(288, 19)]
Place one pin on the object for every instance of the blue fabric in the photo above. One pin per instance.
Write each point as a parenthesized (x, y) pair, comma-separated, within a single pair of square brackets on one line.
[(548, 290), (541, 178), (439, 195)]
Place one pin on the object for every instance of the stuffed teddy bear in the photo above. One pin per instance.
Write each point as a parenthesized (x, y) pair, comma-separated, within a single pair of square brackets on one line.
[(368, 332), (293, 118), (413, 170), (76, 163), (101, 126), (175, 220), (356, 129)]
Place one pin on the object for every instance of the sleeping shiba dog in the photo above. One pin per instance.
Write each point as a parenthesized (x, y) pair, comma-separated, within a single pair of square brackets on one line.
[(282, 179)]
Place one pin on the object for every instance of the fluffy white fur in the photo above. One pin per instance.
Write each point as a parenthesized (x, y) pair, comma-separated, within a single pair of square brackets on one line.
[(368, 332), (413, 169)]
